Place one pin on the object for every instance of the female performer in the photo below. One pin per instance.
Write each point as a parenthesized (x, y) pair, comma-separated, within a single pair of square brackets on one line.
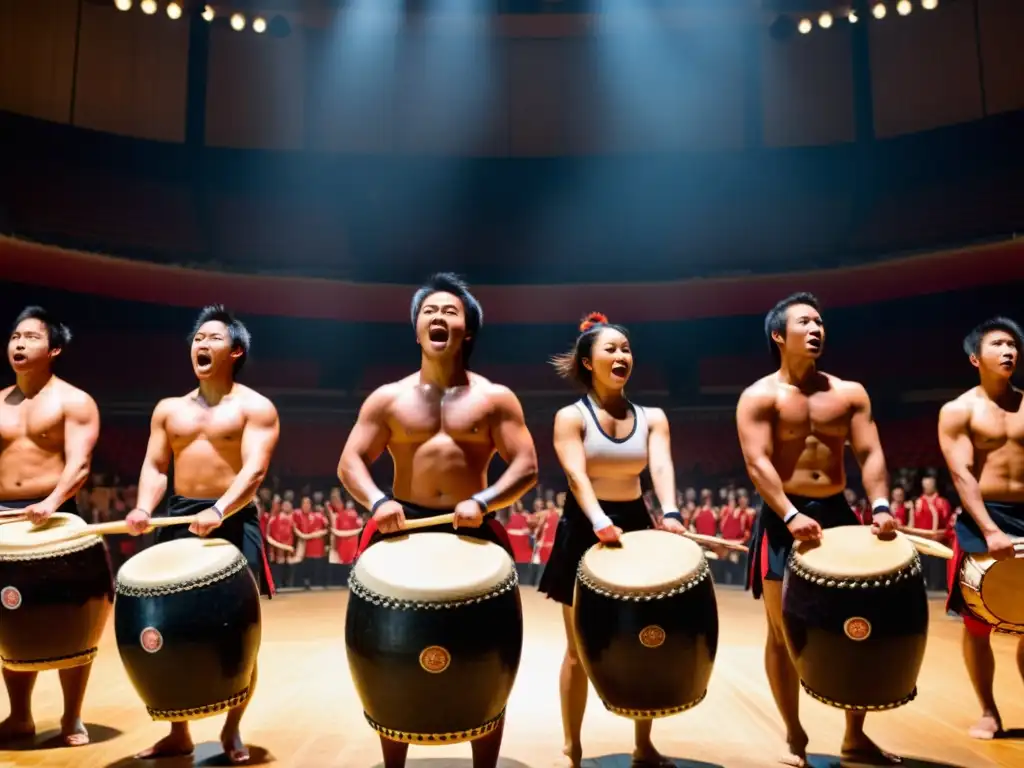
[(603, 442)]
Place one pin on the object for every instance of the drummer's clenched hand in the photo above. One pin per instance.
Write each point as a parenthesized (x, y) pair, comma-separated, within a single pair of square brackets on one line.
[(137, 521), (883, 523), (39, 513), (205, 522), (804, 528), (468, 514), (672, 525), (1000, 546), (610, 534), (389, 517)]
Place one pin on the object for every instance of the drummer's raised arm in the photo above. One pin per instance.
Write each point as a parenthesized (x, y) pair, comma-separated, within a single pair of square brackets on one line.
[(958, 451), (573, 458), (366, 442), (755, 413), (153, 477), (659, 451)]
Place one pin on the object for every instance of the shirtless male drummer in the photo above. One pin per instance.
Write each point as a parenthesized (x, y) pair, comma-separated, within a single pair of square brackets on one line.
[(981, 434), (48, 430), (442, 426), (221, 437), (793, 427)]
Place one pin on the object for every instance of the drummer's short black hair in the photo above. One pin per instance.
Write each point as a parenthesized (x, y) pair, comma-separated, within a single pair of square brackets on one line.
[(449, 282), (58, 335), (237, 332), (775, 320), (972, 342)]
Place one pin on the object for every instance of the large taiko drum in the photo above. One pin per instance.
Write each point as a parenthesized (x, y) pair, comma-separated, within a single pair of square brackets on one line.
[(856, 618), (993, 590), (187, 621), (55, 597), (646, 623), (434, 633)]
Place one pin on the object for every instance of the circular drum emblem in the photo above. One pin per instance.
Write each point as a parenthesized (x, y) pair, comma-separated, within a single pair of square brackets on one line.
[(10, 598), (652, 636), (857, 628), (151, 640), (435, 659)]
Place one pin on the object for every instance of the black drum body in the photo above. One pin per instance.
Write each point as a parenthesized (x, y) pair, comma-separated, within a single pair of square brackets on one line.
[(434, 672), (190, 649), (648, 656), (858, 643), (54, 607)]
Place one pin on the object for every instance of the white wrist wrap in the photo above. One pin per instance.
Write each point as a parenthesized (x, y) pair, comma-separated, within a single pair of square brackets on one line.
[(600, 520)]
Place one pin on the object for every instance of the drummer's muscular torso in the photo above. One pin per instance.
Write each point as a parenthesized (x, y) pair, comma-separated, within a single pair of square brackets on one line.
[(997, 436), (810, 428), (32, 433), (206, 441), (441, 442)]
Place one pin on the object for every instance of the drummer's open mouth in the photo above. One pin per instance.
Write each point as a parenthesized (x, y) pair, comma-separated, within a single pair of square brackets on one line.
[(438, 332), (18, 357), (203, 359)]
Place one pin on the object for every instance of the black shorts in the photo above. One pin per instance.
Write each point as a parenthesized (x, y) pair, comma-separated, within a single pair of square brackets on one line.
[(69, 506), (772, 542), (575, 535), (241, 529), (491, 530), (971, 541)]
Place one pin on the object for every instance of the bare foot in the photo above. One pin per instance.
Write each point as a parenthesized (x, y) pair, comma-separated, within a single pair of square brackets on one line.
[(646, 756), (796, 757), (74, 733), (174, 745), (987, 728), (575, 754), (234, 747), (12, 730), (861, 752)]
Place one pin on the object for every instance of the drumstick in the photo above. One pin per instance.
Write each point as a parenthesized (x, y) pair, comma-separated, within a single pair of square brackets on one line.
[(104, 529), (714, 541), (427, 522), (929, 547), (8, 512)]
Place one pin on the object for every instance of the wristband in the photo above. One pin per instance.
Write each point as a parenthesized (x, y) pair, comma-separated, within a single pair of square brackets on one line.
[(793, 512), (672, 514), (216, 509), (880, 507), (600, 521), (481, 502), (376, 505), (146, 512)]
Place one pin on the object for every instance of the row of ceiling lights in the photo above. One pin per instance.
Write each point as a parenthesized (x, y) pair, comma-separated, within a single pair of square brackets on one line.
[(878, 10), (174, 11)]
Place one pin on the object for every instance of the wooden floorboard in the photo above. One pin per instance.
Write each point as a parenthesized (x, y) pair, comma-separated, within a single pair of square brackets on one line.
[(305, 712)]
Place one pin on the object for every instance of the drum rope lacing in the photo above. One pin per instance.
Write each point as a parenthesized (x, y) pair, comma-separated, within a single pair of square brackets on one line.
[(358, 589), (855, 582), (861, 707), (63, 549), (692, 581), (128, 590), (195, 713), (454, 737), (70, 661), (651, 714)]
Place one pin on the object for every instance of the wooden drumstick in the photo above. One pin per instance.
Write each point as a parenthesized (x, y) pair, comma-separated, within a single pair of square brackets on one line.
[(929, 547), (8, 512), (103, 529), (714, 541)]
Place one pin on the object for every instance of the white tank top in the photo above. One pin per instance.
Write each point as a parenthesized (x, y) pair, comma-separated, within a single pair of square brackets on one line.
[(614, 465)]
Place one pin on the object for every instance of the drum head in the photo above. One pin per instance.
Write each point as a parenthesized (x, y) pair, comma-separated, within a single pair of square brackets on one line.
[(1002, 588), (174, 562), (853, 551), (22, 538), (647, 562), (433, 567)]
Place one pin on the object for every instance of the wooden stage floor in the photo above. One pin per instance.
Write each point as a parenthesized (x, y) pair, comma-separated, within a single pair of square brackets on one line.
[(305, 712)]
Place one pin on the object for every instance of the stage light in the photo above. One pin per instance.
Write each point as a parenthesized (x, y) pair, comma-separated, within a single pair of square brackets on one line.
[(852, 16), (804, 26), (208, 13), (123, 5), (825, 20), (903, 7), (259, 25), (878, 11), (929, 5), (148, 7), (173, 11), (237, 22)]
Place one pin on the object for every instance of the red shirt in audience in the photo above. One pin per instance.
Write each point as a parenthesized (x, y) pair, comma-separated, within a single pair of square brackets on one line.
[(731, 523), (705, 522), (281, 529), (519, 536), (313, 522), (345, 547)]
